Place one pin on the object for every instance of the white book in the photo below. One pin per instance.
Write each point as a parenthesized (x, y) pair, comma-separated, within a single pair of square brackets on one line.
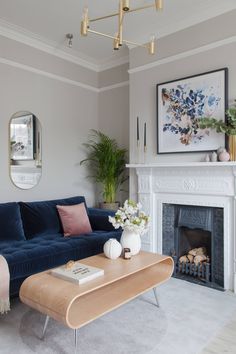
[(79, 273)]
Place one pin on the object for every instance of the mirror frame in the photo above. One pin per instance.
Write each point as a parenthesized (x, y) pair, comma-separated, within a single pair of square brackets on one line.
[(36, 150)]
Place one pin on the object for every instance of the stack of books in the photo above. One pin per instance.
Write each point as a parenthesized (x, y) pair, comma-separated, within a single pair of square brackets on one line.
[(78, 273)]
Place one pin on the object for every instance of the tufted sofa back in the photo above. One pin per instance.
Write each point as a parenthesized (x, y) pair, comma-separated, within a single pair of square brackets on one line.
[(20, 221), (11, 227), (41, 218)]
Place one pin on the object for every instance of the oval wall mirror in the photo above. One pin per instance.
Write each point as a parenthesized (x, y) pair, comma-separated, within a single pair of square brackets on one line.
[(25, 140)]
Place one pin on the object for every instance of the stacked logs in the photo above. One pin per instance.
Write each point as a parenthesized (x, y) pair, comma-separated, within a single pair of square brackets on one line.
[(196, 256)]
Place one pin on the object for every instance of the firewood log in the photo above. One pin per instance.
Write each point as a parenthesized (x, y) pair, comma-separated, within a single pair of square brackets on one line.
[(198, 251), (190, 257), (193, 252), (183, 259), (199, 259), (201, 251), (186, 259)]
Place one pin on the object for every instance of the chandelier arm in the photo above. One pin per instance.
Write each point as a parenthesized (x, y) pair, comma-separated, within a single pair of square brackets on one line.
[(113, 37), (104, 17), (101, 34), (141, 8), (117, 13), (120, 23), (136, 44)]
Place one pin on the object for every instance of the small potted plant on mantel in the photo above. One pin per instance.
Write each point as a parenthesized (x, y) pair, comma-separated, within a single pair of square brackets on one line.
[(228, 128), (106, 162)]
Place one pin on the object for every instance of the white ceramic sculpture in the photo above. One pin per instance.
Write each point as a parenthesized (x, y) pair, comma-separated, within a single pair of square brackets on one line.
[(214, 157), (224, 156), (112, 248)]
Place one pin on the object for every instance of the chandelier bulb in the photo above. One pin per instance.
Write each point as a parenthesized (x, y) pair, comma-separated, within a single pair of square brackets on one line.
[(125, 5), (116, 42), (85, 13), (159, 4), (151, 45), (84, 23)]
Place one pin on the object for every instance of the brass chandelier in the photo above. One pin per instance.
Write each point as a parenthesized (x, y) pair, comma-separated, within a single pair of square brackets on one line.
[(124, 8)]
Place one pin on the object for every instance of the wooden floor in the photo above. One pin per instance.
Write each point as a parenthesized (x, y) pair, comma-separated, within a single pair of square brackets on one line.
[(225, 341)]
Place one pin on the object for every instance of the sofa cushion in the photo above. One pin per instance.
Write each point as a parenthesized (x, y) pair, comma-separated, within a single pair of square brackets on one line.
[(48, 251), (74, 219), (11, 227), (99, 219), (41, 218)]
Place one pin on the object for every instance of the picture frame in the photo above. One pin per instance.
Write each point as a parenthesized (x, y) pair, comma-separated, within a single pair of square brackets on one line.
[(22, 131), (180, 105)]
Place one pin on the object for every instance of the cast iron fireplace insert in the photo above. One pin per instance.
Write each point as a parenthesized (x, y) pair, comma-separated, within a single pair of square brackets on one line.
[(189, 229)]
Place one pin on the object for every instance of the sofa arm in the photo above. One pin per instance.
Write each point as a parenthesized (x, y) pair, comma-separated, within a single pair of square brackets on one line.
[(99, 219)]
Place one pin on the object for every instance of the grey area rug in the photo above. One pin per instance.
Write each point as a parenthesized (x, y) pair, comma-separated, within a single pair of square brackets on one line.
[(190, 316)]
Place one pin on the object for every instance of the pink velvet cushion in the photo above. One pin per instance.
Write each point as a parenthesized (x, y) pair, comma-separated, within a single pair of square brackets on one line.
[(74, 219)]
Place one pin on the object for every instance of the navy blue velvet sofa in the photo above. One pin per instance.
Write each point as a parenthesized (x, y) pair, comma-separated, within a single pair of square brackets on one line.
[(31, 237)]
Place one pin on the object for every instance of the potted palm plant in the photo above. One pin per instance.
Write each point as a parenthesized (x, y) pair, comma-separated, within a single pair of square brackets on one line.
[(106, 162)]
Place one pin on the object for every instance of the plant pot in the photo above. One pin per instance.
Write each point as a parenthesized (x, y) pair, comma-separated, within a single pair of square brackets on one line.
[(232, 147), (130, 239), (109, 206)]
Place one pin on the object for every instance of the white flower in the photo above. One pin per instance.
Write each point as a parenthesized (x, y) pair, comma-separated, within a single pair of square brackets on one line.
[(131, 218)]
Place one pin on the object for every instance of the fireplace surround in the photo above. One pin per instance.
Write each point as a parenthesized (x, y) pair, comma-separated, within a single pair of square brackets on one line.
[(201, 184)]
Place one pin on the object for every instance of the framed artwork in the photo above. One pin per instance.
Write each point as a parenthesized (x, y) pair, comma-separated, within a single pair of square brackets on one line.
[(22, 137), (182, 103)]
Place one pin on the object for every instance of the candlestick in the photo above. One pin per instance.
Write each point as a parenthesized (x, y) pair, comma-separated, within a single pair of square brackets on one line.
[(137, 130), (145, 136)]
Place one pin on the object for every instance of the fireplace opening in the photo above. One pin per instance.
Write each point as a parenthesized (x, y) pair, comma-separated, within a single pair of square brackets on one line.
[(193, 253), (193, 236)]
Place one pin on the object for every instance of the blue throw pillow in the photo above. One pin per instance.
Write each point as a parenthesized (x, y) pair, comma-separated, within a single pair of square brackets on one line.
[(11, 228), (41, 218)]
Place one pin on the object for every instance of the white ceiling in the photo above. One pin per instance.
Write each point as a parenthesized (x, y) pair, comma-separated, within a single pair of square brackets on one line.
[(49, 20)]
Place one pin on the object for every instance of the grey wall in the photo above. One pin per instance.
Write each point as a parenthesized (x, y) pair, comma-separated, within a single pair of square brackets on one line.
[(37, 82), (113, 76), (24, 54), (113, 111), (65, 98), (66, 113), (167, 66)]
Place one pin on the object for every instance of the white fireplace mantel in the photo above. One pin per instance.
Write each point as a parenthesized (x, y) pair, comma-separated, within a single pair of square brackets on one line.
[(210, 184), (184, 164)]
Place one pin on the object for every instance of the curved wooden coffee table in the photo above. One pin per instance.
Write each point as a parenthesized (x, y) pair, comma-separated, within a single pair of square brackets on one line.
[(76, 305)]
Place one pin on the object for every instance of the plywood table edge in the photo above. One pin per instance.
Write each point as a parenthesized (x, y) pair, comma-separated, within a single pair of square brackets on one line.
[(125, 301), (63, 316)]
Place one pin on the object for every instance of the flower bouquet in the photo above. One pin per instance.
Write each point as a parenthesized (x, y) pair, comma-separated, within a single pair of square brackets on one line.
[(134, 223)]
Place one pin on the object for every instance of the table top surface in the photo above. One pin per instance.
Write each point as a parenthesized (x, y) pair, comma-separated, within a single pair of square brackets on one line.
[(114, 270)]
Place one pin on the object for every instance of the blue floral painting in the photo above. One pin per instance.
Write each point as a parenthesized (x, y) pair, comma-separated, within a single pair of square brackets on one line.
[(182, 104)]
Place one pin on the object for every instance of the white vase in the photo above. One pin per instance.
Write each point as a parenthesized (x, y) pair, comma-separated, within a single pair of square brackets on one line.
[(132, 240), (112, 248)]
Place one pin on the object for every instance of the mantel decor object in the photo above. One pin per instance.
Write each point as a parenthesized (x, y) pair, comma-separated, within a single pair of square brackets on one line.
[(224, 156), (181, 106), (227, 127), (232, 147)]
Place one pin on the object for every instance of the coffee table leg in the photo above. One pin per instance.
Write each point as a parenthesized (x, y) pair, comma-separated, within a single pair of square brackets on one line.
[(45, 326), (76, 340), (155, 294)]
